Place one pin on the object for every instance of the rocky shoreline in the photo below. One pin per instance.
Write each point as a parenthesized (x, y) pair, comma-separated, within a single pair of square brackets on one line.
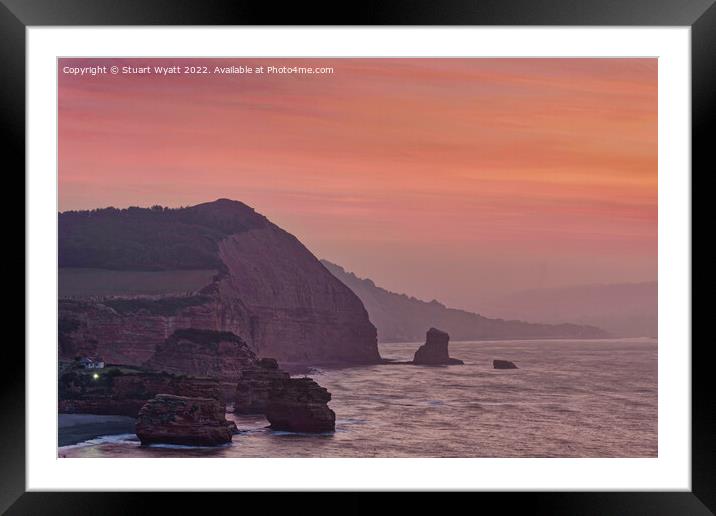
[(180, 396)]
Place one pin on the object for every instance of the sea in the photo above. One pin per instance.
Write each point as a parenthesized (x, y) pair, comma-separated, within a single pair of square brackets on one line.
[(568, 398)]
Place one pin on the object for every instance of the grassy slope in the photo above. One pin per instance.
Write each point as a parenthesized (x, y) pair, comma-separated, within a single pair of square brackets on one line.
[(83, 282)]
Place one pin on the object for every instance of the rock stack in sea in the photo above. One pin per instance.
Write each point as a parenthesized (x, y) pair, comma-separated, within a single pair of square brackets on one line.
[(169, 419), (256, 384), (435, 350), (204, 353), (503, 364), (300, 405)]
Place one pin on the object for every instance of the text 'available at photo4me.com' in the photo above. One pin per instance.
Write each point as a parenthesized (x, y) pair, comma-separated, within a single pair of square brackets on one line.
[(170, 70)]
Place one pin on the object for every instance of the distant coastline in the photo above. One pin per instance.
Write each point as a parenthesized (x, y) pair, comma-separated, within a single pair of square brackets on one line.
[(401, 318)]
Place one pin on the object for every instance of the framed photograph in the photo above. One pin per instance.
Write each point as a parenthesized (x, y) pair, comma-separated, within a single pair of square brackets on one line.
[(420, 249)]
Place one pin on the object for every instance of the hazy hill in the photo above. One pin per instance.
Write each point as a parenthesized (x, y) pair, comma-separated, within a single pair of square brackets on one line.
[(624, 309), (400, 318)]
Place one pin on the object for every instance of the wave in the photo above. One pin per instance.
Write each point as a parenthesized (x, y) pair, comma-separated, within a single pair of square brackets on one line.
[(104, 439), (187, 446)]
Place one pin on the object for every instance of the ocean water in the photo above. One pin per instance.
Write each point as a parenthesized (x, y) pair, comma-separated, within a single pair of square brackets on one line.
[(594, 398)]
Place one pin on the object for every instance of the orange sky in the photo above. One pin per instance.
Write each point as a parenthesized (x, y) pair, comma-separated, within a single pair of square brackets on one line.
[(455, 179)]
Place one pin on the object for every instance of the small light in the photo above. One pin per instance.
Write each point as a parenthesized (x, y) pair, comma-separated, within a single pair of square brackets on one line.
[(95, 376)]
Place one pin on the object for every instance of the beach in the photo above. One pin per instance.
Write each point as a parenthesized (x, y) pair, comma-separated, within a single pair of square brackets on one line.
[(77, 428)]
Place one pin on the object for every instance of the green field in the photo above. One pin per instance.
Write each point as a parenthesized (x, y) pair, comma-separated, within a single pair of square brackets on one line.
[(85, 282)]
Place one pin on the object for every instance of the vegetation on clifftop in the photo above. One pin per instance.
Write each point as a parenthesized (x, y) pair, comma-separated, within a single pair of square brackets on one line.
[(151, 239)]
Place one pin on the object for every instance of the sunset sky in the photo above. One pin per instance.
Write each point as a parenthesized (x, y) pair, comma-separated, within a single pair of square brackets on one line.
[(455, 179)]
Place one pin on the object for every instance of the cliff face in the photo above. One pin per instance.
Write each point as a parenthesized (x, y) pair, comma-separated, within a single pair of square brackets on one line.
[(400, 318), (124, 332), (300, 312), (269, 289)]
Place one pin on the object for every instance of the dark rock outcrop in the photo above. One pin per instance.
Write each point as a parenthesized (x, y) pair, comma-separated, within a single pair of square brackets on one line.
[(114, 392), (204, 353), (269, 289), (256, 384), (232, 427), (300, 405), (503, 364), (168, 419), (435, 350)]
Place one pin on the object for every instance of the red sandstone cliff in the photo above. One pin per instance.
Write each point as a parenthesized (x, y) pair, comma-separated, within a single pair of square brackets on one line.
[(270, 290), (299, 311)]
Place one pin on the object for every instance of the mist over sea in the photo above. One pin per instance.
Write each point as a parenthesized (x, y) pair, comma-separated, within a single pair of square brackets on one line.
[(595, 398)]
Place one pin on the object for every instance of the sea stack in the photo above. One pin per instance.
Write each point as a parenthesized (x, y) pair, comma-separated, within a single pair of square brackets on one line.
[(300, 405), (256, 385), (204, 353), (169, 419), (503, 364), (435, 350)]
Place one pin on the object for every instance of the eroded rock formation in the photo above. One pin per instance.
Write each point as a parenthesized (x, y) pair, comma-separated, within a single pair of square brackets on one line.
[(300, 405), (204, 353), (169, 419), (256, 384), (435, 350)]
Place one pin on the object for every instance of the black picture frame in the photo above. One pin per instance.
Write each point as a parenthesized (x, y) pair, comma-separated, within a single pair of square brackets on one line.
[(17, 15)]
